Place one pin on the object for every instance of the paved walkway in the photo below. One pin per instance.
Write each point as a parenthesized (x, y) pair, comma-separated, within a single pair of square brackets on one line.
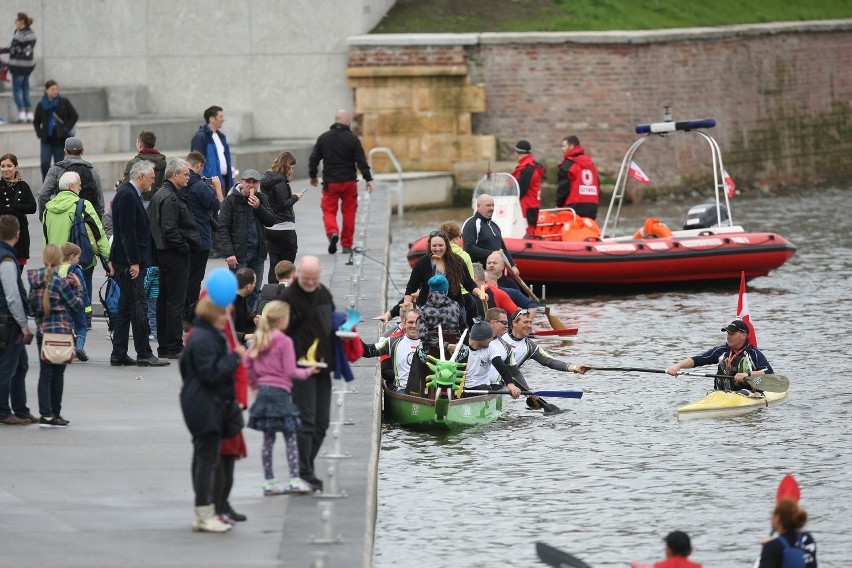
[(114, 488)]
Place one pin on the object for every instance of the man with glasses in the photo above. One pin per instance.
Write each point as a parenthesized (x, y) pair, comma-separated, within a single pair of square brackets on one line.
[(737, 359), (176, 238), (242, 217)]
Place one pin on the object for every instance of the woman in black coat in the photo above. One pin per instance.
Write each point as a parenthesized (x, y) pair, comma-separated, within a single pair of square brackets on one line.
[(207, 368), (281, 237), (16, 199), (54, 121)]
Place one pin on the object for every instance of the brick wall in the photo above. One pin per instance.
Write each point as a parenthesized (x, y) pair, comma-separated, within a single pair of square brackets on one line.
[(780, 93)]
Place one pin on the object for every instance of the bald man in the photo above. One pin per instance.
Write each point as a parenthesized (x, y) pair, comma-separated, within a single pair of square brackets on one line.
[(311, 306), (340, 152), (482, 236)]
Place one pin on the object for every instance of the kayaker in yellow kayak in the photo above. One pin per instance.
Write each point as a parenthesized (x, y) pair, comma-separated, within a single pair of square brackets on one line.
[(737, 359)]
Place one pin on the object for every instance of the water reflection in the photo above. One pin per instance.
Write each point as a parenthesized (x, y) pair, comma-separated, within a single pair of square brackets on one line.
[(610, 477)]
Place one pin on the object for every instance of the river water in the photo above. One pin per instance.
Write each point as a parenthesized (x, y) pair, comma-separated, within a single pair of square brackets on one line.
[(607, 480)]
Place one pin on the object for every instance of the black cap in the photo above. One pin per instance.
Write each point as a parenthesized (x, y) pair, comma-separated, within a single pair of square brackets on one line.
[(481, 331), (736, 325), (678, 541), (523, 147)]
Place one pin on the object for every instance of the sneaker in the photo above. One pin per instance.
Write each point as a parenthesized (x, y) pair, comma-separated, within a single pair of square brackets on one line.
[(81, 355), (64, 419), (29, 116), (272, 487), (332, 243), (299, 486), (52, 422), (13, 420)]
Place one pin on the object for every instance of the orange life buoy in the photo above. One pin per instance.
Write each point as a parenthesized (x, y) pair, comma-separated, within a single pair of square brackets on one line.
[(653, 228)]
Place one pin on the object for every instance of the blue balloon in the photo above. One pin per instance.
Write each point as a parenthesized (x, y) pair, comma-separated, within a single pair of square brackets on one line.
[(222, 287)]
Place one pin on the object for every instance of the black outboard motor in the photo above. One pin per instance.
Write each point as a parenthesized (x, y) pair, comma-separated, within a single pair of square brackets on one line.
[(705, 216)]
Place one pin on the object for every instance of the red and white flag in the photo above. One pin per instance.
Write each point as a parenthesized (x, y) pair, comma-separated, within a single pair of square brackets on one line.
[(636, 173), (730, 186), (742, 311)]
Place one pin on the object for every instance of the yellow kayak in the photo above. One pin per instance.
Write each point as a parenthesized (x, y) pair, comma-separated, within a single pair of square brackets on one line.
[(720, 403)]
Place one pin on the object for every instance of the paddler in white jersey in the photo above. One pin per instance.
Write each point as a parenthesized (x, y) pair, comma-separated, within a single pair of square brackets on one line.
[(485, 363), (400, 348)]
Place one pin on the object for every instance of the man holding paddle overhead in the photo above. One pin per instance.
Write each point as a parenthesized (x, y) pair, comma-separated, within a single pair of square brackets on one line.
[(737, 360)]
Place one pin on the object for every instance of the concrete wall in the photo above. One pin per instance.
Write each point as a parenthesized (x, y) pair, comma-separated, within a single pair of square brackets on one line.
[(781, 93), (281, 62)]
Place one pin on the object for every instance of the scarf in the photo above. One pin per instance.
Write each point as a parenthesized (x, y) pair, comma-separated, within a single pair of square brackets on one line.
[(49, 106)]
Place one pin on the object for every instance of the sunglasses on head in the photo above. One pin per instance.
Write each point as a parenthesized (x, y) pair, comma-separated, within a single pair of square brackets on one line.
[(521, 312), (437, 234)]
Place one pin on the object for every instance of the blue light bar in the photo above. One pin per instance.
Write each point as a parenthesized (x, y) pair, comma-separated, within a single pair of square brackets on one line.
[(685, 125)]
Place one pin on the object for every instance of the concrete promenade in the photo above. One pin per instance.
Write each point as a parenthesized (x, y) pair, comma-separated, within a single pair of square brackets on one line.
[(114, 489)]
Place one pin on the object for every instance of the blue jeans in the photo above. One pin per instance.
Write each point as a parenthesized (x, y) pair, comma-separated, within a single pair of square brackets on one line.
[(81, 328), (257, 265), (21, 91), (152, 316), (13, 370), (49, 151), (51, 384)]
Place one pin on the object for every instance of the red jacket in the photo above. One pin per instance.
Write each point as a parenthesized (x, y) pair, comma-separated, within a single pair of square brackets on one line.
[(528, 172), (577, 179)]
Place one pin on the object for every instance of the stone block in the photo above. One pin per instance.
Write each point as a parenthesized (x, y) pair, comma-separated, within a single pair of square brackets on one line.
[(452, 98), (369, 99), (463, 123), (405, 123), (486, 148), (440, 146), (127, 101)]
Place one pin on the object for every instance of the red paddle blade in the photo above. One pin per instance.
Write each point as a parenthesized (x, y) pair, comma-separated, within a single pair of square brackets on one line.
[(563, 331), (788, 489)]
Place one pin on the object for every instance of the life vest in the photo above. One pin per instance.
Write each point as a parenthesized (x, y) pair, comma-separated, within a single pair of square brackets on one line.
[(548, 226), (580, 172), (566, 225), (653, 228)]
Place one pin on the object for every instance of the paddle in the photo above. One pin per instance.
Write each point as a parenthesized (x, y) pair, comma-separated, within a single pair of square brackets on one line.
[(555, 557), (767, 383), (787, 489), (554, 394), (555, 322), (564, 331)]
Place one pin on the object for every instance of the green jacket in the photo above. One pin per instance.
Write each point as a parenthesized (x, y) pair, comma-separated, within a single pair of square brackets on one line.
[(59, 218)]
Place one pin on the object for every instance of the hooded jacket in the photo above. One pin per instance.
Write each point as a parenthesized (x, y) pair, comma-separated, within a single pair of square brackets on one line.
[(59, 218), (157, 160)]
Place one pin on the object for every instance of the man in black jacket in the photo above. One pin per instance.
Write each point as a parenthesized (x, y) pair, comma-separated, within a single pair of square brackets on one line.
[(176, 237), (340, 151), (243, 215)]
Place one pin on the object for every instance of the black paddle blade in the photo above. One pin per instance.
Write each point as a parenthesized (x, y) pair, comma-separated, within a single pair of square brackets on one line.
[(555, 557)]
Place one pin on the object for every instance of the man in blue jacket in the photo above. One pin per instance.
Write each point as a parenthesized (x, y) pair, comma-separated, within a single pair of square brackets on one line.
[(210, 141), (132, 252), (204, 199)]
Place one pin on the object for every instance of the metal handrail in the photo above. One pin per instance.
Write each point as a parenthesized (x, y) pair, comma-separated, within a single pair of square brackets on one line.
[(395, 162)]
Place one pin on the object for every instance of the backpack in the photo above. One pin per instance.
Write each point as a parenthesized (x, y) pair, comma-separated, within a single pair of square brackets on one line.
[(89, 190), (792, 556), (80, 237), (110, 294)]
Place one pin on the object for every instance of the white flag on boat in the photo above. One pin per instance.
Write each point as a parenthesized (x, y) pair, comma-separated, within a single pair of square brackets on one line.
[(636, 173), (730, 186), (743, 313)]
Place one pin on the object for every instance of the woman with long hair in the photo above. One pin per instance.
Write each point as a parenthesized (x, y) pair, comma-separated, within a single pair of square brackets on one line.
[(281, 237), (788, 519), (52, 298), (54, 120), (440, 260), (16, 198), (207, 368), (21, 64)]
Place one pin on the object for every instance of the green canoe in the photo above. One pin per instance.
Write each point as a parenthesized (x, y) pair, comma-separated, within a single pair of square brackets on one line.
[(442, 413)]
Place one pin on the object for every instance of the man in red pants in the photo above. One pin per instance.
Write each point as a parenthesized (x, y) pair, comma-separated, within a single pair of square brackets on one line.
[(340, 152)]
